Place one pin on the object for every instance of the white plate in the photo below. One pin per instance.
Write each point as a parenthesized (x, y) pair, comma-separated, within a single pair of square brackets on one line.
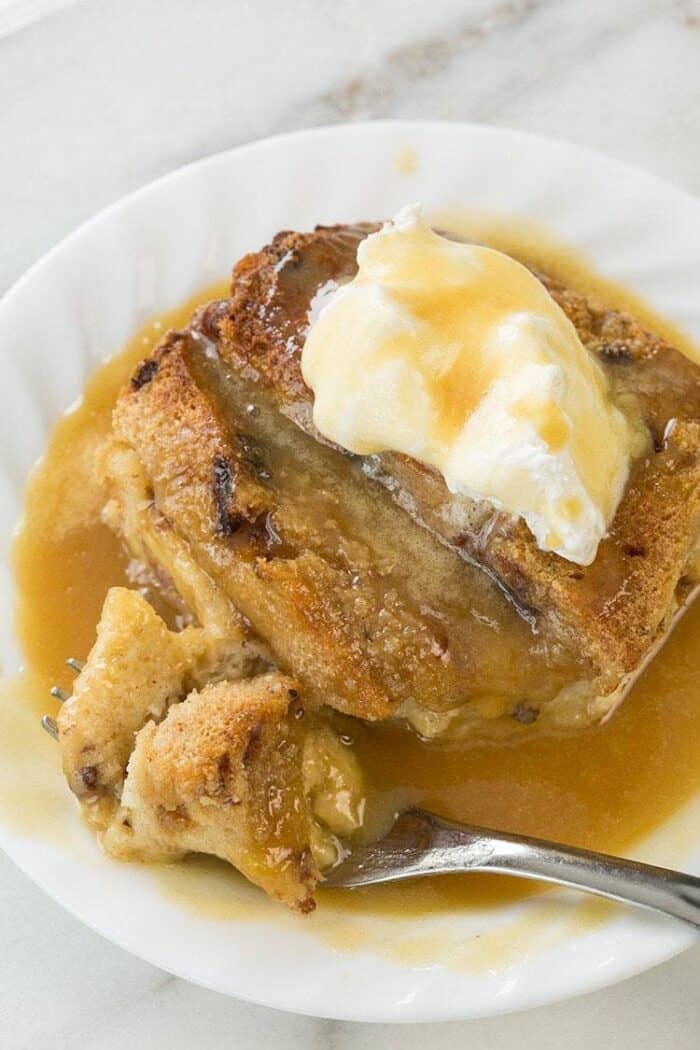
[(150, 252)]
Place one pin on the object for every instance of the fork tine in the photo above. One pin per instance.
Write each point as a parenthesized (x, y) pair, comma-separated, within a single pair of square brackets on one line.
[(75, 665), (59, 694), (49, 724)]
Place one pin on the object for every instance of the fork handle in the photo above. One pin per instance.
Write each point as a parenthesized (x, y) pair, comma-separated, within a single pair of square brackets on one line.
[(660, 889)]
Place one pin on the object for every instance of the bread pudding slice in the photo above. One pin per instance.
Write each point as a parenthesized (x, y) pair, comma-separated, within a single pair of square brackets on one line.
[(384, 594), (612, 608)]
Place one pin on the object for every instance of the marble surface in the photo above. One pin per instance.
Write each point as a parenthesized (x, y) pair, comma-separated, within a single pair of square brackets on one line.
[(100, 97)]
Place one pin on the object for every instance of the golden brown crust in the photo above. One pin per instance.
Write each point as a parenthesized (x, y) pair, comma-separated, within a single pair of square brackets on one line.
[(617, 604), (264, 323), (612, 608)]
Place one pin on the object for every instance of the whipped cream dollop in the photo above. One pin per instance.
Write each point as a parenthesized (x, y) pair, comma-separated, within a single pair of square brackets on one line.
[(455, 354)]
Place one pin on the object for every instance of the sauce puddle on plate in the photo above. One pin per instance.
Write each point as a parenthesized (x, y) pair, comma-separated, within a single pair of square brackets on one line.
[(605, 787)]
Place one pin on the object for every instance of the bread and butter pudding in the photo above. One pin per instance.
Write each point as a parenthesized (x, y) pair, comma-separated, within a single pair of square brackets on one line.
[(392, 475)]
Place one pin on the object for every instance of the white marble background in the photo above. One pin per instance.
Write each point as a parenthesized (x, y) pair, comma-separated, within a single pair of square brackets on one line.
[(103, 96)]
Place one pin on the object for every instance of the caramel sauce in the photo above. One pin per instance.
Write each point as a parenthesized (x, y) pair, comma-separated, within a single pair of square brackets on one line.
[(65, 559), (434, 333), (604, 787)]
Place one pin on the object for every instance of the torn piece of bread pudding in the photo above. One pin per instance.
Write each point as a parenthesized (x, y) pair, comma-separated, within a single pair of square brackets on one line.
[(237, 769)]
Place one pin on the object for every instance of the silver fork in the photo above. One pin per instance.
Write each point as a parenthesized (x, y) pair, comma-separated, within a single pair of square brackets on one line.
[(47, 722), (421, 844)]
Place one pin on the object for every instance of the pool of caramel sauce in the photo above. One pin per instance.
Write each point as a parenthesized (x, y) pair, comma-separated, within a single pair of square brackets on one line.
[(604, 787)]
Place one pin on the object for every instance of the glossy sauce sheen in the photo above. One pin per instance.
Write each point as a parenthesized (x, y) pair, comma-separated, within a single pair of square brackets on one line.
[(603, 787)]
